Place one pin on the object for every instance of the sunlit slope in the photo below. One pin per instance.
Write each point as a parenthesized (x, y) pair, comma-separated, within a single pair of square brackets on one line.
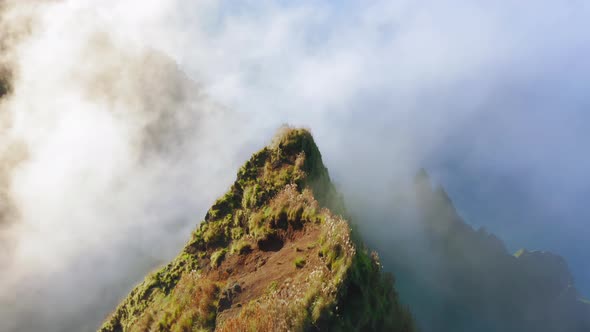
[(274, 253)]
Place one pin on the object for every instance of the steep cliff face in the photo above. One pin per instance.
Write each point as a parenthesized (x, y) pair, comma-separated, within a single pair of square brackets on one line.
[(273, 254), (472, 283)]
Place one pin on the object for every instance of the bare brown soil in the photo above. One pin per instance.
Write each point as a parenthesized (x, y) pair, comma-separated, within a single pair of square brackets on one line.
[(252, 275)]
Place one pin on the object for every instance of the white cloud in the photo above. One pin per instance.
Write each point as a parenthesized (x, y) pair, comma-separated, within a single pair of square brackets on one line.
[(124, 153)]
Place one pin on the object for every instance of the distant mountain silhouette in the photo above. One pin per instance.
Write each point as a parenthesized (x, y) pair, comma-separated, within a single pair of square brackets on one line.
[(467, 280)]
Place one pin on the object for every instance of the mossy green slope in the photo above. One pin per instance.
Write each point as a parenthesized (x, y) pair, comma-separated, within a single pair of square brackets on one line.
[(282, 206)]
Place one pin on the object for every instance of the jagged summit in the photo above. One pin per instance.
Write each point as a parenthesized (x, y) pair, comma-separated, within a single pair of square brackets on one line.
[(273, 254)]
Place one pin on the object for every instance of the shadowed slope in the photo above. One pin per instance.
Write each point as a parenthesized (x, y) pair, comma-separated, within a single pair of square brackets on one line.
[(472, 283)]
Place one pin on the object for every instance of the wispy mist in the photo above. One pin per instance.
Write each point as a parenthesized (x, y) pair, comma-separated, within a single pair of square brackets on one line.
[(127, 119), (110, 153)]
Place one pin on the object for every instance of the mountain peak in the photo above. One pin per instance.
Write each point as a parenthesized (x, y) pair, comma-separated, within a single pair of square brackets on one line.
[(273, 253)]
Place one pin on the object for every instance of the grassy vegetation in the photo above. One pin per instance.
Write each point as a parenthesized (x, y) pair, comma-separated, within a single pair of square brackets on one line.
[(217, 257), (241, 246), (253, 318), (299, 262), (191, 306), (279, 191), (272, 287), (155, 286)]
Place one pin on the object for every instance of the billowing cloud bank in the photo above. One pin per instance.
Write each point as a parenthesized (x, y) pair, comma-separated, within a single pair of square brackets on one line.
[(126, 119)]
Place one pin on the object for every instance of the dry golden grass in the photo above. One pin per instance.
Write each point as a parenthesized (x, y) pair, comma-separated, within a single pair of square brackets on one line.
[(191, 306)]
